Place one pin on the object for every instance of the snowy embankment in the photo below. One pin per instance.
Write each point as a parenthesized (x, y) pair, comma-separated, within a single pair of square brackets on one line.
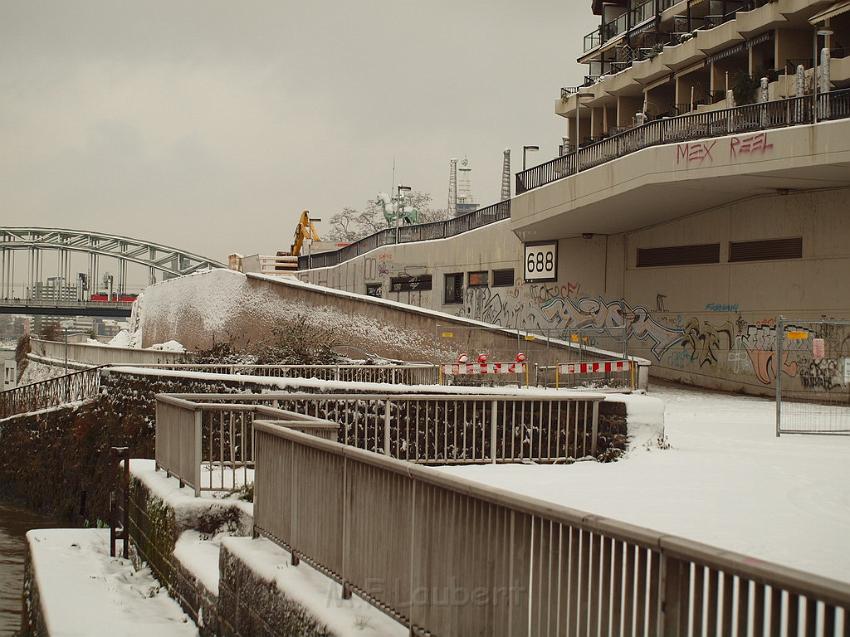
[(726, 481), (83, 591)]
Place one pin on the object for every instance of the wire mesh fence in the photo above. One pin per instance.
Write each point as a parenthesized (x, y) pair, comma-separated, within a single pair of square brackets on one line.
[(813, 389)]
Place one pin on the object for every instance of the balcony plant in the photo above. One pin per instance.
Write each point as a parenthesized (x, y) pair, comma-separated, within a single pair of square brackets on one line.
[(744, 88)]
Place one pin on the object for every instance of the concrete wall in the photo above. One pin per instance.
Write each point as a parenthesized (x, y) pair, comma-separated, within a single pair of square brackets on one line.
[(227, 306), (711, 325)]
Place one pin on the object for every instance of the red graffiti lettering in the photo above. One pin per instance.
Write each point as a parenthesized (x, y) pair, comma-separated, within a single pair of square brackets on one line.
[(698, 152), (755, 144)]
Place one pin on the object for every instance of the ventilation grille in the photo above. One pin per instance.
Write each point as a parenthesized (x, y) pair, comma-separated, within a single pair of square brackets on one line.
[(766, 250), (678, 255), (503, 278)]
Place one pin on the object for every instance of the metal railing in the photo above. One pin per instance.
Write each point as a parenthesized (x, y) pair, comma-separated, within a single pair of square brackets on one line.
[(447, 556), (210, 446), (730, 121), (407, 234), (406, 374), (50, 393), (215, 431)]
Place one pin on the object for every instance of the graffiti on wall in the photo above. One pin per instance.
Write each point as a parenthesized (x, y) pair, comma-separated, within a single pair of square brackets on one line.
[(746, 145), (612, 317), (822, 375), (703, 341)]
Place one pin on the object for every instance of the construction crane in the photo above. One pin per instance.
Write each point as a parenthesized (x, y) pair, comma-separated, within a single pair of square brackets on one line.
[(304, 230)]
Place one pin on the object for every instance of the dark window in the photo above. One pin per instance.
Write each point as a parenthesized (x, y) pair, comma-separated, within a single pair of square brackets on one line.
[(503, 278), (454, 288), (410, 283), (766, 250), (374, 289), (479, 279), (678, 255)]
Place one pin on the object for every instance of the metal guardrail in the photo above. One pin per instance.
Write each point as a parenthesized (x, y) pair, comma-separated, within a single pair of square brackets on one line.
[(53, 392), (216, 430), (447, 556), (209, 446), (730, 121), (408, 234)]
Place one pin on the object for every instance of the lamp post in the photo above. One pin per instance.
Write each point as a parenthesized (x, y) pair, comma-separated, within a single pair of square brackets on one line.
[(579, 97), (65, 326), (525, 150)]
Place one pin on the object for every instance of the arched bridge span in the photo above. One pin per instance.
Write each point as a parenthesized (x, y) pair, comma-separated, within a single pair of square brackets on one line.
[(36, 243)]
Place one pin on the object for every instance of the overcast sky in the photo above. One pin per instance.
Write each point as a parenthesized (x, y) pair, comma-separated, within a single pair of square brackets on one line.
[(210, 125)]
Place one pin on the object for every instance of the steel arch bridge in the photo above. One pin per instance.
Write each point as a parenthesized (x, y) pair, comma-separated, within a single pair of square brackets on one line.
[(37, 242)]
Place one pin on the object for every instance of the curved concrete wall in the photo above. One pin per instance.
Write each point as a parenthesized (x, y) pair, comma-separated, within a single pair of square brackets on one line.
[(223, 305), (710, 325)]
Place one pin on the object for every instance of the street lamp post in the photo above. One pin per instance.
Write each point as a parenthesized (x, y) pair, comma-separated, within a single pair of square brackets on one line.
[(525, 150)]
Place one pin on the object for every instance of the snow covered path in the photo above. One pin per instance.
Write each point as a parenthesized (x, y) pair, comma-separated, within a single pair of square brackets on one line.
[(85, 592), (727, 481)]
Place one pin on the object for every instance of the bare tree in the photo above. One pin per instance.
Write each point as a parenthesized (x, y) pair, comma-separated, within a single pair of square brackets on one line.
[(351, 224)]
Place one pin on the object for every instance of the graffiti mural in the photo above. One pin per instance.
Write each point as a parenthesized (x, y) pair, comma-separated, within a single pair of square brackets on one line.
[(704, 340), (826, 374), (611, 317), (759, 341)]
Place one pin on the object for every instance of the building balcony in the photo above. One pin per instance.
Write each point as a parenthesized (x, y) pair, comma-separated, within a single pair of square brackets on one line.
[(684, 35), (673, 167)]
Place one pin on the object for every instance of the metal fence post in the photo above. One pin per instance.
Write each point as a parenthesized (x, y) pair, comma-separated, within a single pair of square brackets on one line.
[(196, 470), (780, 337), (494, 420), (595, 428), (387, 428)]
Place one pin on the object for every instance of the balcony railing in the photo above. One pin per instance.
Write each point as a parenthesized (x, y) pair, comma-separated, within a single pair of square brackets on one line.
[(730, 121), (409, 234)]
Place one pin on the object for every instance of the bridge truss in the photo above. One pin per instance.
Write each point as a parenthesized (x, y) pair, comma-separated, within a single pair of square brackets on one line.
[(39, 242)]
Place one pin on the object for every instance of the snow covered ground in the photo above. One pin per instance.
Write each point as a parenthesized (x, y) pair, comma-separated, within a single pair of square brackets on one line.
[(86, 592), (726, 481)]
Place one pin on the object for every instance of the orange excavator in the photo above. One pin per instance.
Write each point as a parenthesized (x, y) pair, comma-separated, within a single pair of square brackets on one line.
[(304, 230)]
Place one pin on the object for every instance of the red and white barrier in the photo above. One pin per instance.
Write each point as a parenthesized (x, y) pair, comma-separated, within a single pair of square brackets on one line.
[(598, 367), (474, 369)]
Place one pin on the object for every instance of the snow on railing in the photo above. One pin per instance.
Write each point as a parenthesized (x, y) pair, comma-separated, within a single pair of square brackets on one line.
[(53, 392), (445, 555), (212, 434), (404, 374)]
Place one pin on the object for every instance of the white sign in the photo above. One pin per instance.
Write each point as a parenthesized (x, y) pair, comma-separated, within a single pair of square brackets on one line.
[(541, 261), (818, 349), (847, 373)]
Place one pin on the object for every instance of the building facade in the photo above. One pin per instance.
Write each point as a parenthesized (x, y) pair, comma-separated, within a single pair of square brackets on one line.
[(689, 233)]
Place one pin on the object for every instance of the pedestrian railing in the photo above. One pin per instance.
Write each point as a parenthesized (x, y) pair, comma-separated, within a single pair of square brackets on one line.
[(671, 130), (402, 374), (447, 556), (53, 392), (209, 446), (407, 234), (442, 429)]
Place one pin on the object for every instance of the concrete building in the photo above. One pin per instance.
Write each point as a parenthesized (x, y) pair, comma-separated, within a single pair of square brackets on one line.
[(691, 233)]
